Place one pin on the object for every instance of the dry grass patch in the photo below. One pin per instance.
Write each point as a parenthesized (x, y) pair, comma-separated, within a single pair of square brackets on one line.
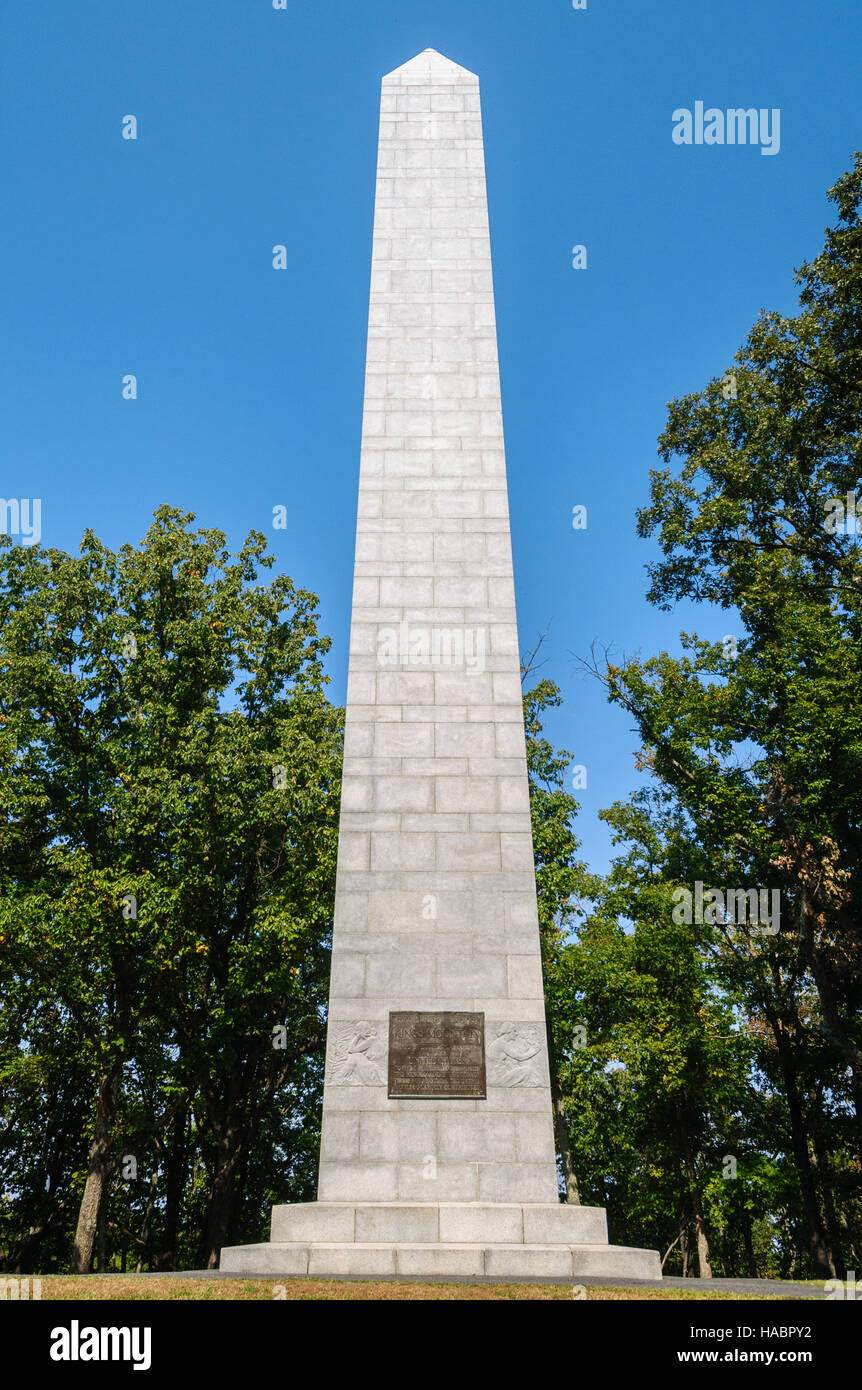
[(100, 1287)]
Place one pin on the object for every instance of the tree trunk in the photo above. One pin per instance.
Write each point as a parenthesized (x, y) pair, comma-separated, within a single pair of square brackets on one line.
[(561, 1127), (748, 1244), (219, 1213), (97, 1174), (703, 1264), (836, 1031), (824, 1263), (229, 1127), (144, 1246), (102, 1258), (824, 1176), (20, 1260), (176, 1166), (564, 1147)]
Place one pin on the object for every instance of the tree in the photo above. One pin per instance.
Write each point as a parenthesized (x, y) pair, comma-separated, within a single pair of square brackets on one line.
[(562, 883), (167, 839), (759, 737), (750, 523), (664, 1052)]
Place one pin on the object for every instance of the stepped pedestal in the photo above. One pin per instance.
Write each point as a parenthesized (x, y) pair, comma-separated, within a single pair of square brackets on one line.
[(494, 1239)]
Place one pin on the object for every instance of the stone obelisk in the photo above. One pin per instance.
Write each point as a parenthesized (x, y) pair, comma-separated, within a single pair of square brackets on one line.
[(437, 1153)]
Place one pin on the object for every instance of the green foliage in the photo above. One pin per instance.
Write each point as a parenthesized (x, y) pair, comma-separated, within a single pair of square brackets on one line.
[(759, 749), (168, 812), (712, 1041)]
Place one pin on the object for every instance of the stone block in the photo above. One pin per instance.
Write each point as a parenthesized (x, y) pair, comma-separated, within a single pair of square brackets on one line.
[(358, 1182), (264, 1259), (404, 793), (339, 1141), (528, 1262), (437, 1182), (459, 975), (399, 740), (615, 1262), (372, 1261), (490, 1137), (442, 1261), (404, 1224), (480, 1223), (517, 1182), (534, 1138), (313, 1221), (562, 1224), (400, 1135), (479, 852), (347, 974), (525, 976), (400, 976)]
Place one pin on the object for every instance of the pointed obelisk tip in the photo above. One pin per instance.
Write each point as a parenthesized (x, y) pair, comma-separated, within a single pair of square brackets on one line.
[(430, 69)]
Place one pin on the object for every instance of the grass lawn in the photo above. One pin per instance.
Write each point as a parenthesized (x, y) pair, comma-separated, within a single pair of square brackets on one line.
[(97, 1287)]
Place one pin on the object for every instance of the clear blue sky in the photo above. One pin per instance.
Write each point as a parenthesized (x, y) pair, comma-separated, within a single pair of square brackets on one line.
[(259, 127)]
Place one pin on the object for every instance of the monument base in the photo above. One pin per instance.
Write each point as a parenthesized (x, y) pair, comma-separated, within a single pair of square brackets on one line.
[(381, 1239)]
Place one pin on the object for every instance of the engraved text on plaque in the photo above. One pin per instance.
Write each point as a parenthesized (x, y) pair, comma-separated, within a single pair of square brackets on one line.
[(437, 1055)]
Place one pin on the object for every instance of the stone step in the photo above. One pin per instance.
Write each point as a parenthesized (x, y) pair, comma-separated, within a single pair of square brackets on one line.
[(333, 1259), (453, 1223)]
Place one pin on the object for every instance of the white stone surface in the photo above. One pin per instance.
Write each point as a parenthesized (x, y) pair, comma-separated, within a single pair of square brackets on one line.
[(436, 896), (435, 799), (474, 1223), (483, 1257)]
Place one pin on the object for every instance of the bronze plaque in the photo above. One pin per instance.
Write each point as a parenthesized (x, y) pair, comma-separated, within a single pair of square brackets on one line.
[(438, 1056)]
